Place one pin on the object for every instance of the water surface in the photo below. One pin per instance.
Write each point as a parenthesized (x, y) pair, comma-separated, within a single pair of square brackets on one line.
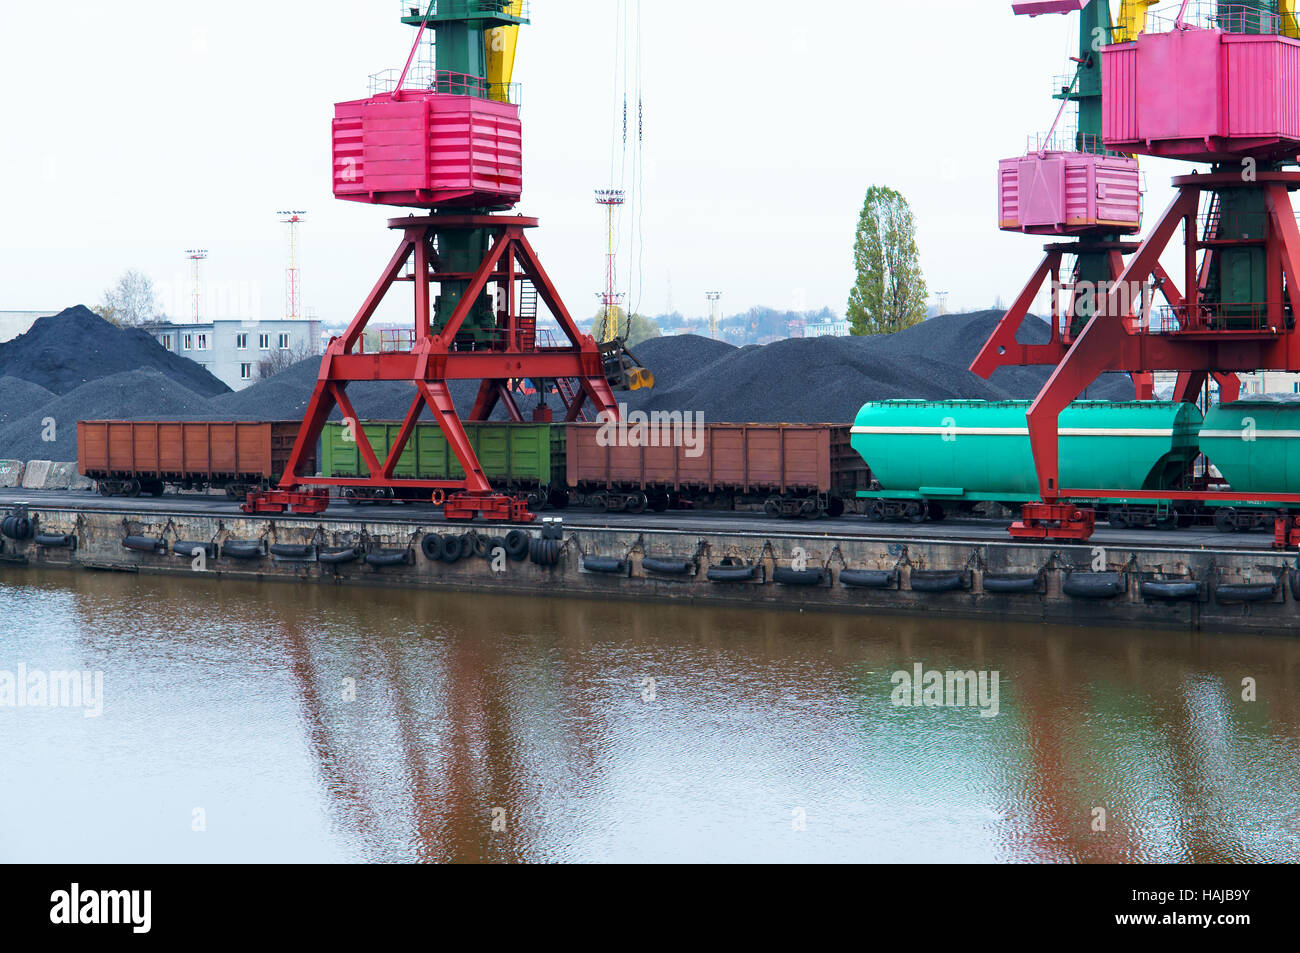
[(304, 723)]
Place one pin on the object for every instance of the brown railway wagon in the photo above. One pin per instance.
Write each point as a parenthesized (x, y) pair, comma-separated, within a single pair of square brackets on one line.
[(133, 456), (792, 469)]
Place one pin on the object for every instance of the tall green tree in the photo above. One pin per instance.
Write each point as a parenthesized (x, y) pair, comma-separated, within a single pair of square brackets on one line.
[(889, 293)]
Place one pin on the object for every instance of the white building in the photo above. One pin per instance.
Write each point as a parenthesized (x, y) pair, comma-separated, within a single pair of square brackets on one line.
[(831, 329), (15, 323), (232, 349)]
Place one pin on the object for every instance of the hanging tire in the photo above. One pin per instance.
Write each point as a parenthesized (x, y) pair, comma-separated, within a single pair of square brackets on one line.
[(516, 544), (433, 548), (668, 567), (453, 549), (798, 578), (340, 557), (869, 578), (479, 546), (241, 549)]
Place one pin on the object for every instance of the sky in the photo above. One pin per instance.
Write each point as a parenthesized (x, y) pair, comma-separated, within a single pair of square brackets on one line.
[(135, 130)]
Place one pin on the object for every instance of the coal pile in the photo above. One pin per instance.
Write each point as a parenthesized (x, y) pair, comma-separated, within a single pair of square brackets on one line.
[(77, 346), (74, 367), (286, 395), (828, 379), (134, 395), (18, 398)]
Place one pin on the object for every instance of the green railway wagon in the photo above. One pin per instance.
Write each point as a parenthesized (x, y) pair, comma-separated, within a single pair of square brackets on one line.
[(928, 454), (524, 458), (1255, 445)]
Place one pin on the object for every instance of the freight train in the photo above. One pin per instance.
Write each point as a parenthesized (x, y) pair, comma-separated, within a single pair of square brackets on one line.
[(900, 460), (931, 457), (803, 470), (131, 457)]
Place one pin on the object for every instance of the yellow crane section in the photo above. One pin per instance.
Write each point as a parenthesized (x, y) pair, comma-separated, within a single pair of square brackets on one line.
[(1290, 27), (500, 44), (1132, 19)]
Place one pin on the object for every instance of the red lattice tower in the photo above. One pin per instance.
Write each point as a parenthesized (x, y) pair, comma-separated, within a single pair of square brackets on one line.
[(448, 143)]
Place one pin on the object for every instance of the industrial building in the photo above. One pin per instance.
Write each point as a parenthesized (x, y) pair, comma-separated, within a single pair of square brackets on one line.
[(232, 349)]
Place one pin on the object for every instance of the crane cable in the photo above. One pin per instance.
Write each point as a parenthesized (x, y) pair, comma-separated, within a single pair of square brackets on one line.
[(626, 165)]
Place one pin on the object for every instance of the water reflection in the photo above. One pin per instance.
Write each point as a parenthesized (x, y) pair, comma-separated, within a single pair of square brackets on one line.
[(309, 723)]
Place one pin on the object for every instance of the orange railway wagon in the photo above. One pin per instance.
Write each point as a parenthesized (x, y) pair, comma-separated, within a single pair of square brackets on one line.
[(789, 469), (130, 457)]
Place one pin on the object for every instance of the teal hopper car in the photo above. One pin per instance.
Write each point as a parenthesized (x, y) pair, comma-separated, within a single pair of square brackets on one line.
[(930, 457)]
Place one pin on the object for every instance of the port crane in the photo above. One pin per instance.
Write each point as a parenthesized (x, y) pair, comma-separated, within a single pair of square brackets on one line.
[(1200, 81), (443, 137)]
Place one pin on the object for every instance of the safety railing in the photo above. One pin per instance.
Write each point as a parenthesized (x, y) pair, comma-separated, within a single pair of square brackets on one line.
[(1219, 226), (423, 78), (1247, 18), (1065, 140), (1245, 318), (509, 9)]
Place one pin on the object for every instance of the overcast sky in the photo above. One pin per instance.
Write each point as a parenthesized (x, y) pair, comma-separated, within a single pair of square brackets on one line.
[(137, 129)]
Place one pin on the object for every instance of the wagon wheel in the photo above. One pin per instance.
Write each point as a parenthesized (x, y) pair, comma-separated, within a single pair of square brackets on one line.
[(600, 503), (1225, 520), (772, 508), (937, 513), (105, 489), (1115, 517), (915, 512), (876, 511), (132, 488), (637, 503)]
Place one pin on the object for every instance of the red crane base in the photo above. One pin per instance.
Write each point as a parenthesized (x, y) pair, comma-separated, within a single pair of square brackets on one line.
[(284, 501), (495, 507), (431, 357), (1055, 521), (1286, 533)]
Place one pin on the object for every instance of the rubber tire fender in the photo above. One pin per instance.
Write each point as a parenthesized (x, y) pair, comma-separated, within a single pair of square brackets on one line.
[(732, 573), (339, 557), (144, 544), (869, 578), (1236, 593), (605, 565), (453, 549), (799, 578), (1095, 585), (938, 581), (1011, 584), (434, 548), (241, 549), (668, 567), (1171, 590), (55, 542), (516, 544)]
